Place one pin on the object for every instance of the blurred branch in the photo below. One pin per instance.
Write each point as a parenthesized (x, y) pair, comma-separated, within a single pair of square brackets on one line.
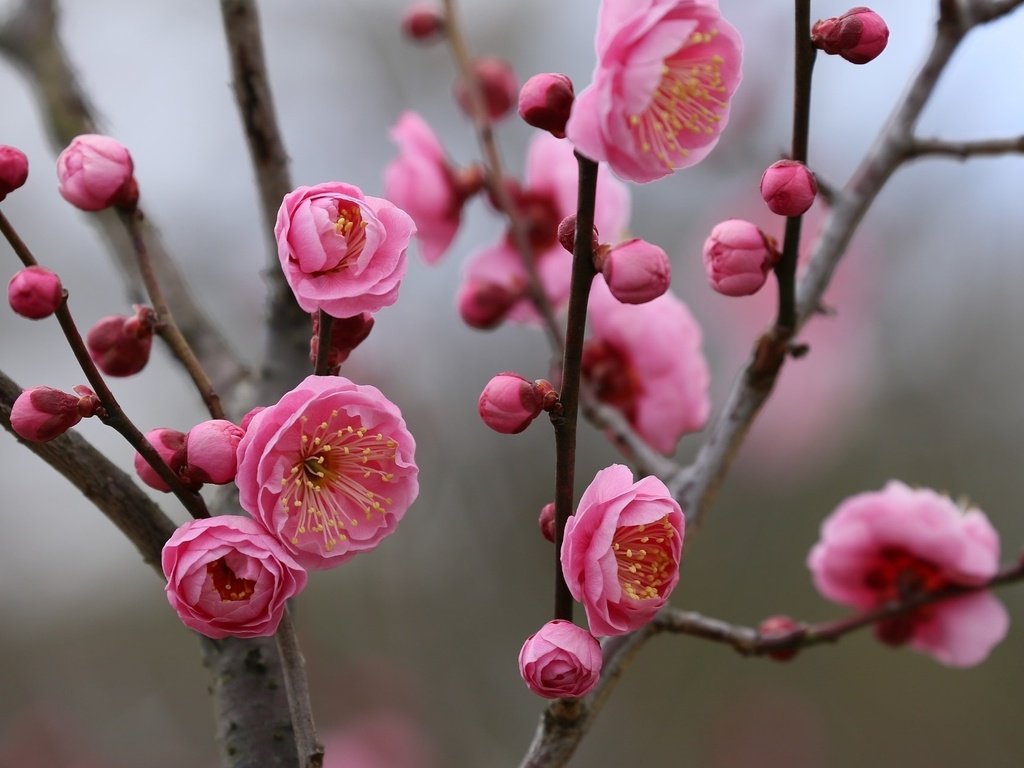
[(963, 150), (29, 39)]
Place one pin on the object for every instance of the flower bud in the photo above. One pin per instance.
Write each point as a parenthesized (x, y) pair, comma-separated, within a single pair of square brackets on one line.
[(423, 23), (249, 416), (40, 414), (498, 87), (561, 659), (567, 234), (170, 444), (347, 333), (13, 169), (120, 345), (95, 172), (546, 521), (35, 292), (779, 626), (636, 271), (210, 449), (483, 305), (859, 35), (738, 257), (545, 102), (509, 402), (788, 187)]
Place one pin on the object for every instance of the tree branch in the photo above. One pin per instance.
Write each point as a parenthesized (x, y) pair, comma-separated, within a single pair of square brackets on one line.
[(963, 150)]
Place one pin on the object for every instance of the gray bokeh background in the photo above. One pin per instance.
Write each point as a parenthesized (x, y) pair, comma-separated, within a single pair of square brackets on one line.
[(917, 378)]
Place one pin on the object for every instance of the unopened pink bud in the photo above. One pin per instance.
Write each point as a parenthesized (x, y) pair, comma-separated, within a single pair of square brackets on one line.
[(779, 626), (561, 659), (40, 414), (545, 102), (120, 345), (423, 22), (859, 35), (347, 333), (249, 416), (170, 445), (484, 305), (788, 187), (498, 86), (738, 257), (35, 292), (567, 234), (95, 172), (210, 449), (636, 271), (509, 403), (546, 521), (13, 169)]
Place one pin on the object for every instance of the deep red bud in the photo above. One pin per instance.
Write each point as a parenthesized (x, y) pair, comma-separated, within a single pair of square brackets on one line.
[(545, 102), (775, 627), (498, 86), (35, 292), (859, 35), (546, 521), (119, 345), (423, 23), (567, 234), (40, 414), (170, 445), (788, 187), (13, 169), (347, 333)]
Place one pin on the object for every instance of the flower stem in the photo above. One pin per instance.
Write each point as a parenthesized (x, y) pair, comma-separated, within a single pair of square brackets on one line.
[(325, 322)]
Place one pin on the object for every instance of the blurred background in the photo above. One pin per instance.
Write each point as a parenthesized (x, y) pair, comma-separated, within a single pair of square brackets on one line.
[(412, 650)]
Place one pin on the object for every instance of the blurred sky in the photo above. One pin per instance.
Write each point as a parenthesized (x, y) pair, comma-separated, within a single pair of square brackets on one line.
[(918, 380)]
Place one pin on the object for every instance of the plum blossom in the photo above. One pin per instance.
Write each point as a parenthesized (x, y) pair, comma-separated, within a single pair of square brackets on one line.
[(646, 361), (899, 542), (342, 251), (228, 577), (39, 414), (35, 292), (329, 469), (560, 659), (95, 172), (13, 169), (666, 71)]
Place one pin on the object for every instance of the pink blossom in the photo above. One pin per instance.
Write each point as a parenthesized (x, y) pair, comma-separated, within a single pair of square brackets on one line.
[(483, 304), (666, 71), (329, 469), (636, 271), (788, 187), (548, 197), (898, 542), (40, 414), (95, 172), (13, 169), (210, 449), (646, 361), (620, 553), (423, 22), (120, 345), (342, 251), (738, 257), (509, 403), (170, 445), (859, 35), (228, 577), (378, 739), (545, 102), (35, 292), (559, 660), (498, 87)]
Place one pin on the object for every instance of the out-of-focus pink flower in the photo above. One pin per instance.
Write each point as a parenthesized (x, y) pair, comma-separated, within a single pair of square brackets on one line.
[(378, 739), (35, 292), (859, 35), (509, 402), (788, 187), (548, 197), (899, 542), (738, 257), (779, 626), (40, 414), (342, 251), (498, 86), (330, 469), (95, 172), (210, 449), (423, 22), (636, 271), (620, 553), (484, 305), (170, 445), (13, 169), (228, 577), (560, 659), (120, 345), (666, 71), (545, 102), (347, 333), (646, 361)]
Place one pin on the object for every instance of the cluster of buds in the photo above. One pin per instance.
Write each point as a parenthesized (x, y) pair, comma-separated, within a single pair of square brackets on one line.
[(204, 454)]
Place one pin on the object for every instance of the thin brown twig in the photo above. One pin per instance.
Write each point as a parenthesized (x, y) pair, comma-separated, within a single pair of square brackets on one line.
[(293, 666), (963, 150)]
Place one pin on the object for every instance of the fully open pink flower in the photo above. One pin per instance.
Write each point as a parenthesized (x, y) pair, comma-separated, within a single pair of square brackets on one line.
[(228, 577), (329, 469), (666, 71), (898, 542), (620, 553), (342, 251), (560, 659), (646, 360), (547, 197)]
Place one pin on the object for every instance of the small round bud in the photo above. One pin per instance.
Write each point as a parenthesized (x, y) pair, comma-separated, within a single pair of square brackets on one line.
[(170, 445), (775, 627), (423, 23), (509, 403), (636, 271), (545, 102), (484, 305), (210, 449), (859, 35), (567, 234), (95, 172), (35, 292), (119, 345), (738, 257), (498, 86), (788, 187), (40, 414), (546, 521), (560, 660), (347, 333), (13, 169)]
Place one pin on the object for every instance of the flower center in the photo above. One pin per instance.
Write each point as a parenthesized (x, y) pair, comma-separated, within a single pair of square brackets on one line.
[(687, 100), (644, 557), (228, 585), (350, 225), (898, 575), (335, 480), (613, 378)]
